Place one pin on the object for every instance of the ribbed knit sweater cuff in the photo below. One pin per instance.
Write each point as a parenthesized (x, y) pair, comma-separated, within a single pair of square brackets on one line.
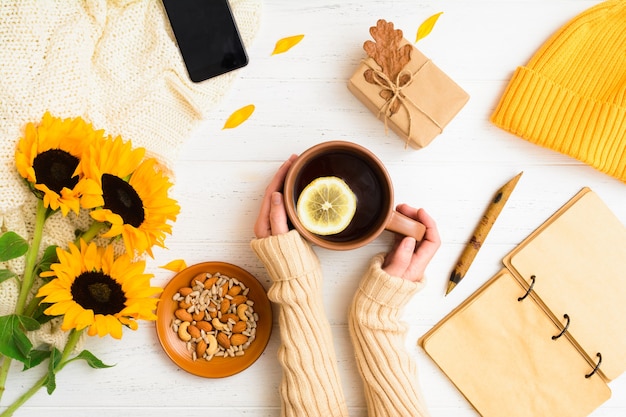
[(387, 289), (285, 256)]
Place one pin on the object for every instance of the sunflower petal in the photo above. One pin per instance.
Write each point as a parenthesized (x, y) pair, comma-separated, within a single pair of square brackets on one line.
[(176, 265), (114, 327), (427, 26), (285, 44), (239, 116)]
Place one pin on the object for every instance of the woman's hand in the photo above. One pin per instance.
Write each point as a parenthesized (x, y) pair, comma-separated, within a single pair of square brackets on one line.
[(408, 259), (272, 219)]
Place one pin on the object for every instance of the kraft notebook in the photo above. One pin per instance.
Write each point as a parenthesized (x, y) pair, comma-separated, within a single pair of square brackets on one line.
[(545, 335)]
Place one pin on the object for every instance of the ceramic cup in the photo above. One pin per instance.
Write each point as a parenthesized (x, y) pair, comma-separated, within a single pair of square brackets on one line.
[(367, 178)]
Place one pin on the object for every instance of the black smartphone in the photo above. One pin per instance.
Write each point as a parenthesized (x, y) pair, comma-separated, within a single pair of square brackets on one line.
[(207, 36)]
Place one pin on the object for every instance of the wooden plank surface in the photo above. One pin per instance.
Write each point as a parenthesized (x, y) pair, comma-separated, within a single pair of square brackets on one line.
[(301, 99)]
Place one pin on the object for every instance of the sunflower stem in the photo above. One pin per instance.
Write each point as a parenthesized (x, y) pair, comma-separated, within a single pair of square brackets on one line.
[(32, 306), (72, 340), (4, 373), (91, 233), (31, 258), (24, 397), (26, 284)]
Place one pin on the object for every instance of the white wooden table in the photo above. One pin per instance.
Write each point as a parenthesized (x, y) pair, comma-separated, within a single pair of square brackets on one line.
[(301, 99)]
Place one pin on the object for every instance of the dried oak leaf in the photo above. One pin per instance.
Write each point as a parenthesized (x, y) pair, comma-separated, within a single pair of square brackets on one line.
[(388, 54), (386, 51)]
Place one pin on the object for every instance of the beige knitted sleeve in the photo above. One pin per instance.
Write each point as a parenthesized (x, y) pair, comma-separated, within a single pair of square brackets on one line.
[(311, 385), (388, 371)]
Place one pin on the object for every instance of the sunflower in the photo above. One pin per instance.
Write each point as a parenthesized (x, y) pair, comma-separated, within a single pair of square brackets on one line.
[(48, 157), (135, 199), (92, 289)]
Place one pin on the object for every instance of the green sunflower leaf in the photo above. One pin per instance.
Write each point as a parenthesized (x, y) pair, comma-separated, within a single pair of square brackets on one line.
[(35, 358), (51, 381), (49, 211), (13, 340), (6, 274), (91, 360), (12, 246), (39, 314), (48, 258)]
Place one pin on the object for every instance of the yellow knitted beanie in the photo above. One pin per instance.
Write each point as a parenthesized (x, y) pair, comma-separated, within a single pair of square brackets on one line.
[(571, 96)]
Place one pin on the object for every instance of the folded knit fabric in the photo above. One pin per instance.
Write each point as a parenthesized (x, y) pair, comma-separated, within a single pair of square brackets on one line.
[(571, 96), (114, 63)]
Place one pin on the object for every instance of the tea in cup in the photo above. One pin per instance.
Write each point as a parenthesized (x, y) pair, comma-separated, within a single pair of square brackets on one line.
[(366, 177)]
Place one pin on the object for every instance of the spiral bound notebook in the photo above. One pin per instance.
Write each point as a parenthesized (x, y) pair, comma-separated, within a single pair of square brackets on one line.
[(545, 335)]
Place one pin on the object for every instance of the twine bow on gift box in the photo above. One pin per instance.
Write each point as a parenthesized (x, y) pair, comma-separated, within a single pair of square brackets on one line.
[(395, 98)]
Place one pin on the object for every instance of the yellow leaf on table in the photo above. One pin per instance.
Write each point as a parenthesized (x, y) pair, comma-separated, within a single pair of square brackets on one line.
[(176, 265), (239, 116), (285, 44), (427, 26)]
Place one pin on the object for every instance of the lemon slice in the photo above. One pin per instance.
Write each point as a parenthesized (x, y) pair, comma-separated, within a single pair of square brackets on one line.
[(326, 206)]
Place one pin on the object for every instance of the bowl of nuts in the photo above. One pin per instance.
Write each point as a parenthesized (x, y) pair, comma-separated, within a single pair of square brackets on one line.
[(214, 319)]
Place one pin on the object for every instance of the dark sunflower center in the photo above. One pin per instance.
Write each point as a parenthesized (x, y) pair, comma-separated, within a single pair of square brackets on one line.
[(98, 292), (122, 199), (55, 169)]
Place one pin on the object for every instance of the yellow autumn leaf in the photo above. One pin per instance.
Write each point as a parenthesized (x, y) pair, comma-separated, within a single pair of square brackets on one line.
[(239, 116), (285, 44), (176, 265), (427, 26)]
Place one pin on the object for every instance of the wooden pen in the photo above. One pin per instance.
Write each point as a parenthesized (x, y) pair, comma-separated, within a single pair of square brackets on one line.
[(481, 231)]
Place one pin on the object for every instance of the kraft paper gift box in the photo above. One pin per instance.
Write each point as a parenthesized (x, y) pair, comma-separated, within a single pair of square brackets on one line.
[(427, 102)]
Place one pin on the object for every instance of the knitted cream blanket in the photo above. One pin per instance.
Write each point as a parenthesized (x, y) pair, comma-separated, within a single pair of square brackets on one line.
[(116, 64)]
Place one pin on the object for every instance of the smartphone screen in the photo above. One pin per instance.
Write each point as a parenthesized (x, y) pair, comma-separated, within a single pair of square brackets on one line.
[(207, 37)]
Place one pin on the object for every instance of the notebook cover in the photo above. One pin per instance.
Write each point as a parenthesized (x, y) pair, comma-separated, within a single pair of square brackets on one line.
[(578, 257), (500, 354)]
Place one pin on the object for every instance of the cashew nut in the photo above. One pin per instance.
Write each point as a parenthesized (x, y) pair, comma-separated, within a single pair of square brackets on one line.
[(218, 325), (241, 311), (183, 334), (212, 348)]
